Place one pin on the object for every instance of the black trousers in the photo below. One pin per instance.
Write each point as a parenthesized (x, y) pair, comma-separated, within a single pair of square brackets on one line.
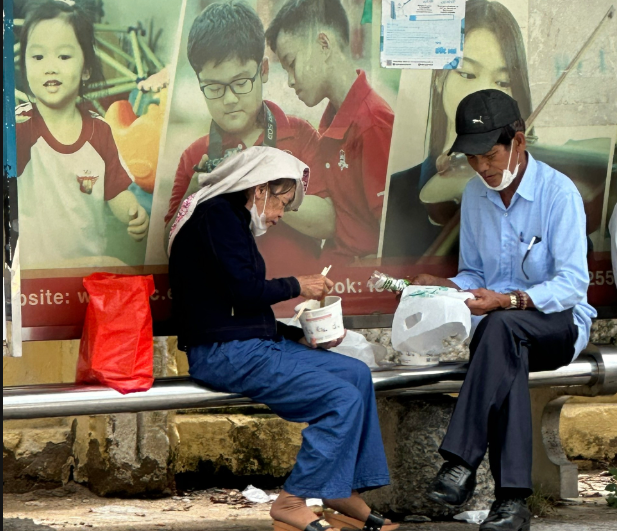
[(494, 407)]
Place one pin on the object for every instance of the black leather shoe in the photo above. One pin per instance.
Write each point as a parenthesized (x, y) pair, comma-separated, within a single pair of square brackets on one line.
[(453, 486), (508, 515)]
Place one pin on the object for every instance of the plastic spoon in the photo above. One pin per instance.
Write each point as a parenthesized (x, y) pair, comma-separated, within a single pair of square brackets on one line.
[(306, 303), (324, 273)]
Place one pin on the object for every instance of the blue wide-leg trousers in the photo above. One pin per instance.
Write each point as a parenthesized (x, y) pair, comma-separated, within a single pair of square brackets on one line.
[(342, 449)]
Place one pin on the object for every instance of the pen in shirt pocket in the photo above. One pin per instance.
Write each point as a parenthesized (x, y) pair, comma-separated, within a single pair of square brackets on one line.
[(534, 240)]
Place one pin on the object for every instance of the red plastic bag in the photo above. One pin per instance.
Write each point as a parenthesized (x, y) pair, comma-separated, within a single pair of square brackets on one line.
[(116, 346)]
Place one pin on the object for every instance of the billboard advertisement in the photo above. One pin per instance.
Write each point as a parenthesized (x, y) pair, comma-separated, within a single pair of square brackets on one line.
[(111, 130)]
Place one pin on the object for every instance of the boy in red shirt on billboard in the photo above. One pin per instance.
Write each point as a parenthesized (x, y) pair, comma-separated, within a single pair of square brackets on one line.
[(311, 39), (226, 48)]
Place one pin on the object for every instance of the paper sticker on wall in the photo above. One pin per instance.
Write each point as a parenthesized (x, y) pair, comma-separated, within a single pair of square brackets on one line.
[(421, 34)]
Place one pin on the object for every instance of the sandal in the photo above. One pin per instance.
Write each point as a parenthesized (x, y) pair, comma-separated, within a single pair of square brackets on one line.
[(317, 525), (374, 522)]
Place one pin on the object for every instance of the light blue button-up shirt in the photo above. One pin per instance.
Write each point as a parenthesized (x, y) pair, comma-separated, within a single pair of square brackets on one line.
[(494, 240)]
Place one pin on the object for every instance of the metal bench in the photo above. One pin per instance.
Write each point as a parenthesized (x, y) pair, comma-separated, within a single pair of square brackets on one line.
[(593, 373)]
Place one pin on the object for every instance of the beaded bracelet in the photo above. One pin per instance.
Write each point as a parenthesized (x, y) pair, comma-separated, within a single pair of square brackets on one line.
[(523, 299)]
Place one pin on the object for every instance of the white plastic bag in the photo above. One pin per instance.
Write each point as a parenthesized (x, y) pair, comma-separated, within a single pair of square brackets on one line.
[(255, 495), (472, 517), (430, 319), (355, 345)]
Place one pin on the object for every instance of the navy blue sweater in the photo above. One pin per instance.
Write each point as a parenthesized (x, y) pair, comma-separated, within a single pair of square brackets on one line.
[(218, 278)]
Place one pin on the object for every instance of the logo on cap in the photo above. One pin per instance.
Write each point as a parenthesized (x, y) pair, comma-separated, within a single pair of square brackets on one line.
[(478, 121)]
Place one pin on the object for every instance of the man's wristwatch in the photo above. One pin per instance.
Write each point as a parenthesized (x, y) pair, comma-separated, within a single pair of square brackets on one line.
[(513, 301)]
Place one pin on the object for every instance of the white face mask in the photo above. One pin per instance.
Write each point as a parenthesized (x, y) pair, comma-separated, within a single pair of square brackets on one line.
[(507, 176), (258, 221)]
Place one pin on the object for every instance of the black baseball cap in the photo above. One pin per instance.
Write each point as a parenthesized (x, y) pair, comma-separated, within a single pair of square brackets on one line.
[(479, 119)]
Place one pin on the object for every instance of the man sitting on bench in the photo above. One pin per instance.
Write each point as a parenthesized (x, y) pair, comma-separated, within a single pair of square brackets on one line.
[(522, 248)]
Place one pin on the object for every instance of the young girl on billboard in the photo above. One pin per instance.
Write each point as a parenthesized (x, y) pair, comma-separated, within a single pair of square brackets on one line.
[(68, 165)]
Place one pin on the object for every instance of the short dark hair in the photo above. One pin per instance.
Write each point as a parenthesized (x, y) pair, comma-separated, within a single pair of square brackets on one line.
[(278, 187), (281, 186), (225, 30), (298, 15), (81, 20), (509, 131)]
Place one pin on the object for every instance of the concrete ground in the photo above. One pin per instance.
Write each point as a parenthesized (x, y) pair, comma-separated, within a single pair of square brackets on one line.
[(74, 507)]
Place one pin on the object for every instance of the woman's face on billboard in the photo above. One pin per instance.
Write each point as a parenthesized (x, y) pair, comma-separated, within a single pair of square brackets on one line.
[(484, 67)]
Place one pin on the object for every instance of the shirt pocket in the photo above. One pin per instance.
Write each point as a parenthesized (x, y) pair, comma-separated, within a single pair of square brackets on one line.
[(535, 264)]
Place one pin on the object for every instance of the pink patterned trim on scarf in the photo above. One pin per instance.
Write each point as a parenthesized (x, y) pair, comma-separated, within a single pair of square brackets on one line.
[(183, 210)]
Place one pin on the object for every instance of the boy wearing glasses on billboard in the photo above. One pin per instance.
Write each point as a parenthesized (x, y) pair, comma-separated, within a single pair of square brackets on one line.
[(226, 48)]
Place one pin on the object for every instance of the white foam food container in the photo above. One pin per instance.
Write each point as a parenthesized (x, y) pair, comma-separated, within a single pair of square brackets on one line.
[(322, 324)]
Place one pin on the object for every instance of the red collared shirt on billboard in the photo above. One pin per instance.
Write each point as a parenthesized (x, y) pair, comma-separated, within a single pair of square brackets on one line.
[(282, 247), (353, 161)]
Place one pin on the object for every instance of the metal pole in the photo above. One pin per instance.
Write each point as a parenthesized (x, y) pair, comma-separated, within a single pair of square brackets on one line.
[(149, 53), (112, 91), (137, 103), (120, 68), (141, 74), (99, 108), (109, 83), (62, 400), (69, 400), (115, 49)]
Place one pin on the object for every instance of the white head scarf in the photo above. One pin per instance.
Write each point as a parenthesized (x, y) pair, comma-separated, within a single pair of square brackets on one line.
[(246, 169)]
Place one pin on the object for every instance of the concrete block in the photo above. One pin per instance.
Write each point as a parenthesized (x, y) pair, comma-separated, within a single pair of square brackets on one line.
[(37, 458), (243, 445), (589, 431), (412, 431), (129, 454)]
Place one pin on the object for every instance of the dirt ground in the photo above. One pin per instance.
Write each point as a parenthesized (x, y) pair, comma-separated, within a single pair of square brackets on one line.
[(74, 507)]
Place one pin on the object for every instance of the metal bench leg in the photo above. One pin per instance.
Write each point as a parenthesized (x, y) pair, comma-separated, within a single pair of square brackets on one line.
[(552, 473)]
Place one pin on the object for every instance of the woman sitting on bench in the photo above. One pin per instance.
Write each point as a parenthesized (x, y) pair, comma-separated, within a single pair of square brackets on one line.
[(222, 305)]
